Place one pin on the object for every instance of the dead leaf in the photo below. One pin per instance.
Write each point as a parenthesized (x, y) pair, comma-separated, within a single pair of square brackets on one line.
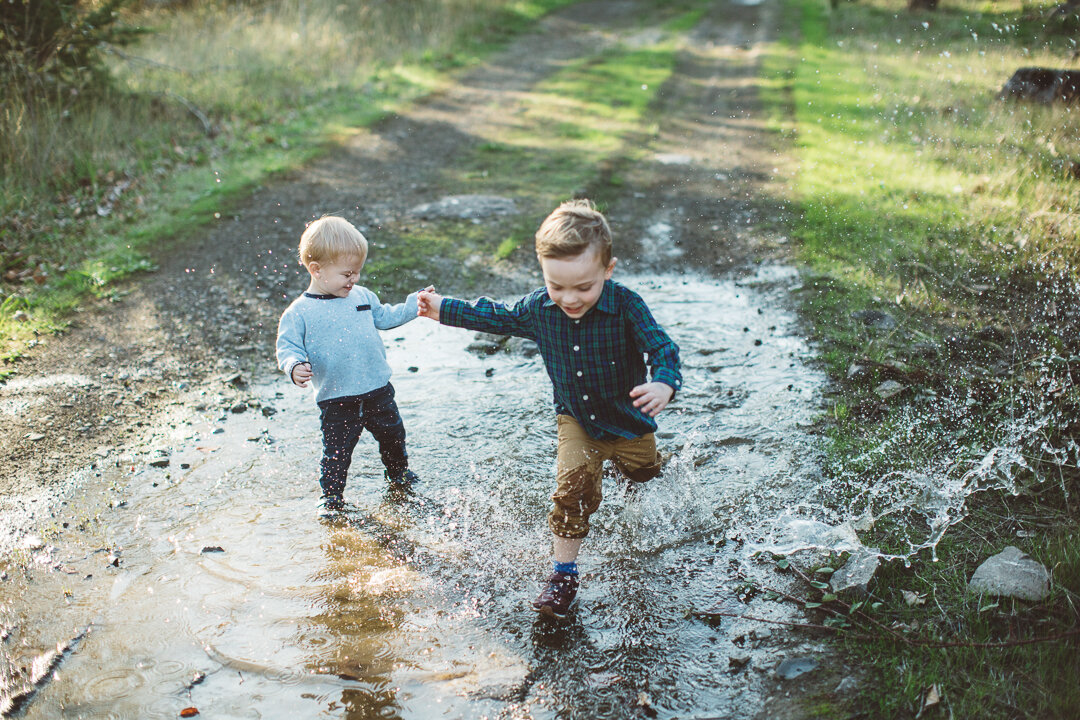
[(933, 697), (189, 712), (207, 448), (913, 598)]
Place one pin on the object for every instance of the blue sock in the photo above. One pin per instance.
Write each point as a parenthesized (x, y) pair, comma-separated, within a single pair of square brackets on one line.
[(567, 568)]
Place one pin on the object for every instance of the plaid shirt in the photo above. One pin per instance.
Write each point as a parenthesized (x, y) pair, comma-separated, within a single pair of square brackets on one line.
[(594, 361)]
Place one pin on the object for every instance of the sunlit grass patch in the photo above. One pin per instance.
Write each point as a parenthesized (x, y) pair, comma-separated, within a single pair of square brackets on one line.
[(572, 125)]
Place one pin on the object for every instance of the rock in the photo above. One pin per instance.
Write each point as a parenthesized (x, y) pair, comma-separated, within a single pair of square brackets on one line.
[(35, 436), (846, 686), (1011, 573), (888, 389), (487, 343), (212, 549), (160, 462), (792, 668), (857, 372), (268, 411), (875, 319), (239, 407), (673, 159), (234, 379), (737, 661), (465, 207), (521, 346), (855, 575), (1042, 85)]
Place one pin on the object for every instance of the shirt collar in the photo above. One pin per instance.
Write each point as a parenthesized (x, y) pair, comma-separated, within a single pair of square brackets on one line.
[(606, 303)]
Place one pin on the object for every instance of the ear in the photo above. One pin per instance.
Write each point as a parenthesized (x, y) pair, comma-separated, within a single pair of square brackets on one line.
[(313, 268), (610, 269)]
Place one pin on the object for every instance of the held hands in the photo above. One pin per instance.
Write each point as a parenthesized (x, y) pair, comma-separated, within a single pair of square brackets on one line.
[(427, 304), (652, 397), (301, 374)]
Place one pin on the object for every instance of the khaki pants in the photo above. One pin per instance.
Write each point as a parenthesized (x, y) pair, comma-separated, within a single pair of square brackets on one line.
[(581, 469)]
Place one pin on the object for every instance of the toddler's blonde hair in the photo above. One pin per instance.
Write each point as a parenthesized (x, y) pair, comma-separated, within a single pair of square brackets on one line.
[(571, 229), (329, 239)]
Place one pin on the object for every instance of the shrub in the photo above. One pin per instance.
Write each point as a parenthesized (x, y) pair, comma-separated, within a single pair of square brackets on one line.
[(50, 45)]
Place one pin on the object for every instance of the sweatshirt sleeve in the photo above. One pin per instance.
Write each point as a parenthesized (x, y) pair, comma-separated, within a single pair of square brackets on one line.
[(391, 316), (290, 341)]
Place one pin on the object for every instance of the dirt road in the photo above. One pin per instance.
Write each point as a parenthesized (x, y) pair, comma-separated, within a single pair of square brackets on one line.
[(211, 309)]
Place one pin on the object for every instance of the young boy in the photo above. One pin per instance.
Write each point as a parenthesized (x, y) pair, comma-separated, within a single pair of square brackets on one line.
[(592, 334), (328, 337)]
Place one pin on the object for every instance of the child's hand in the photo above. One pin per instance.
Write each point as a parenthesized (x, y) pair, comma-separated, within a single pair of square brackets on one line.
[(652, 397), (301, 374), (427, 304)]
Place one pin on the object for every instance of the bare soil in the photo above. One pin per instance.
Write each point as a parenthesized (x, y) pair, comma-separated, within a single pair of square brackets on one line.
[(702, 200)]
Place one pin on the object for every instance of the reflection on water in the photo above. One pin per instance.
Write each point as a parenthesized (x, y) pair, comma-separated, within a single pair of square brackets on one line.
[(230, 594)]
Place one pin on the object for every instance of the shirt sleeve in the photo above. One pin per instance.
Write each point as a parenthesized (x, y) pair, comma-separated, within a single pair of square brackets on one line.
[(388, 316), (290, 341), (487, 315), (664, 364)]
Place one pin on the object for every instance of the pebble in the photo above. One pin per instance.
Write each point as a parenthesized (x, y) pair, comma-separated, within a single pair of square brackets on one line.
[(792, 668)]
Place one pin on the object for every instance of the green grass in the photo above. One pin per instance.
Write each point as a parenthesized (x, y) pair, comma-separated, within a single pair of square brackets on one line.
[(924, 196)]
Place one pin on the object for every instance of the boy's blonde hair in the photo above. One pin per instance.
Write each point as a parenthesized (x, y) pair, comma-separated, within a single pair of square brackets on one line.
[(329, 239), (571, 229)]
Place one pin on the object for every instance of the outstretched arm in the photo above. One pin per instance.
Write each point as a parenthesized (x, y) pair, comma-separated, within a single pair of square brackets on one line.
[(482, 314), (389, 316)]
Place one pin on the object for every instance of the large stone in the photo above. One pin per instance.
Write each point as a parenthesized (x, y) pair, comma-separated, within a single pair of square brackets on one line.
[(1042, 85), (465, 207), (1011, 573), (855, 575)]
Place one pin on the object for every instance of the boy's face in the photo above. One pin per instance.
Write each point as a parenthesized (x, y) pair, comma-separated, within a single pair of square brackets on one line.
[(335, 278), (575, 283)]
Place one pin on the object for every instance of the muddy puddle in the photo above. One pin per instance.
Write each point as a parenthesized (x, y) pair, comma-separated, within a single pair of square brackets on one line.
[(211, 582)]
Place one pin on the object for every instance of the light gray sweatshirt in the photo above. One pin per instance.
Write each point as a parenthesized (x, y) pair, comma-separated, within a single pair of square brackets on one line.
[(339, 337)]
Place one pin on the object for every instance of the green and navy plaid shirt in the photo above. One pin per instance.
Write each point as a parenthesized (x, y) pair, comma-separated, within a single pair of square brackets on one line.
[(594, 361)]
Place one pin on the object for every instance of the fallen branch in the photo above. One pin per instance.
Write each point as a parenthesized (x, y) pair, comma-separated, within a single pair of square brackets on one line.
[(850, 615)]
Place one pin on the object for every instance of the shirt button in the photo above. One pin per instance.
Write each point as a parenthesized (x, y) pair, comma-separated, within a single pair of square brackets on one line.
[(577, 322), (584, 397), (592, 417), (577, 348), (579, 373)]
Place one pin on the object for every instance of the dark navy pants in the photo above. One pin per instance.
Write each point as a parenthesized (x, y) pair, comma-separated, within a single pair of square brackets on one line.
[(343, 419)]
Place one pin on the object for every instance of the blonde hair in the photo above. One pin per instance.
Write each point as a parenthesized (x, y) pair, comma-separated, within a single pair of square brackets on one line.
[(571, 229), (329, 239)]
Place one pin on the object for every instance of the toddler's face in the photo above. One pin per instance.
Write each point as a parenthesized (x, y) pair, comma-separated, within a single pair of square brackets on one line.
[(336, 278), (575, 283)]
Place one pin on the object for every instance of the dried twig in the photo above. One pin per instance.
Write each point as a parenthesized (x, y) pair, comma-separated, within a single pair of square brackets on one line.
[(850, 615)]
